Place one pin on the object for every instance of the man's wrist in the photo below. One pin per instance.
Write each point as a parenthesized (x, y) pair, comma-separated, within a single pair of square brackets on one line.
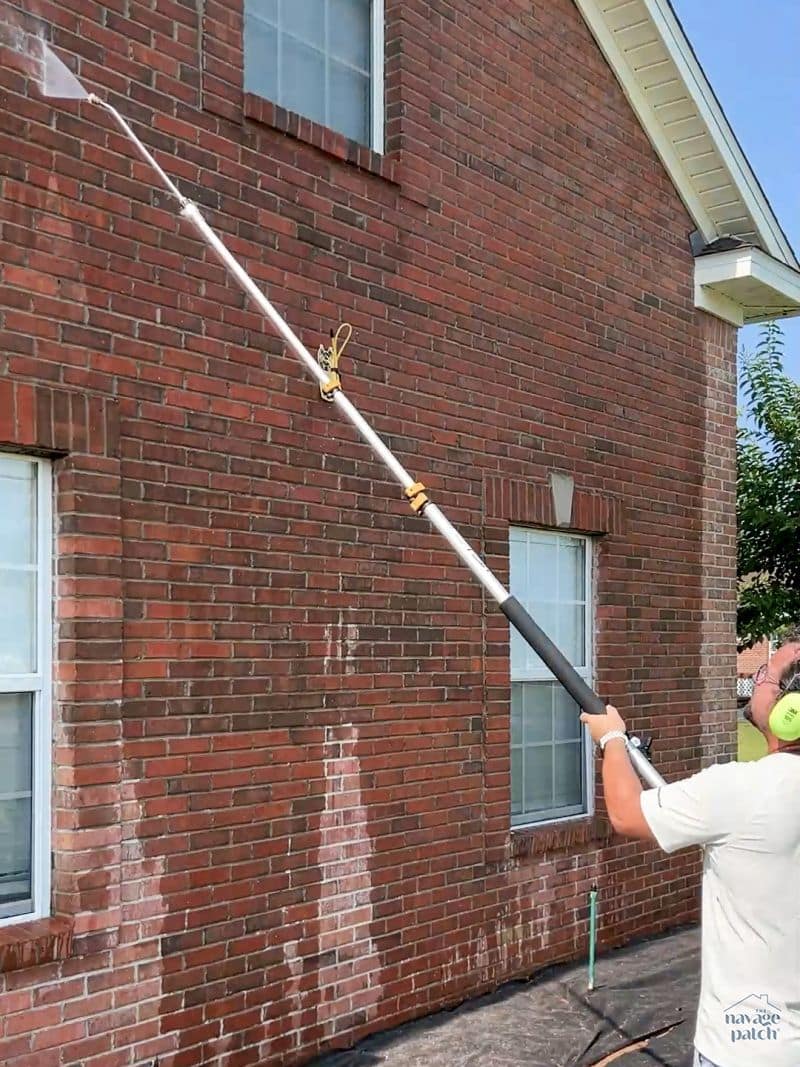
[(612, 735)]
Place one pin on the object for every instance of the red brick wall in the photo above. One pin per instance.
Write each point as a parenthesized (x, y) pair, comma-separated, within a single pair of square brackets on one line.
[(748, 661), (716, 693), (281, 797)]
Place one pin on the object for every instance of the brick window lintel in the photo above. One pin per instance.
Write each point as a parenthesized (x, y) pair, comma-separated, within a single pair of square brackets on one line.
[(518, 501)]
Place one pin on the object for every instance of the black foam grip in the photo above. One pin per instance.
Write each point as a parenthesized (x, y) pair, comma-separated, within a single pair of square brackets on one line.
[(552, 657)]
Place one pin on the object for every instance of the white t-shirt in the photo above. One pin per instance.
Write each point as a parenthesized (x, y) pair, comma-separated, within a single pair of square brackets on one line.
[(748, 816)]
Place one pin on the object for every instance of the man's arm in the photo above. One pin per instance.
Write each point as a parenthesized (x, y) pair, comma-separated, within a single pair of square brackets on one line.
[(623, 793), (621, 785), (709, 808)]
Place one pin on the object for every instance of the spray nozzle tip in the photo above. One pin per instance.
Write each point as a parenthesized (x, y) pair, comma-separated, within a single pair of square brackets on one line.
[(57, 80)]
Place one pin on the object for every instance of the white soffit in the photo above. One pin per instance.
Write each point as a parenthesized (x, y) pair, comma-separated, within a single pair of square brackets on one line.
[(648, 51), (746, 285)]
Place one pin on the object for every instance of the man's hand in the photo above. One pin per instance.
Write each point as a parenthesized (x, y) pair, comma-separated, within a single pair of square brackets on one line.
[(601, 724)]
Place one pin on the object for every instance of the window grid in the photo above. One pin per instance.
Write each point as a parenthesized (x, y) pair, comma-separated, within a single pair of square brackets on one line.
[(37, 685), (532, 681)]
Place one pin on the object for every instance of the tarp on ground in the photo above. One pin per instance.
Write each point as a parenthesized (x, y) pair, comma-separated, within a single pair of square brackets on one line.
[(644, 992)]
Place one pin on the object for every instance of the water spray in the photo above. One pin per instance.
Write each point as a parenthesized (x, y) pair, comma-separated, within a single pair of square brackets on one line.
[(56, 81)]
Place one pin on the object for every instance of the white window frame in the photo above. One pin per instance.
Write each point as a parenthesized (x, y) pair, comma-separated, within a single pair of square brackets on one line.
[(377, 76), (39, 684), (543, 674)]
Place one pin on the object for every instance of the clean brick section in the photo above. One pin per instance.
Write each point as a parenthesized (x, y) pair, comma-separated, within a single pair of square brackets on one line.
[(281, 719)]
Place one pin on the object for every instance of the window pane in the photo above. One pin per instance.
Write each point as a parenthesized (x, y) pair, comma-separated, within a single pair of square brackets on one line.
[(16, 726), (571, 637), (572, 576), (566, 716), (516, 781), (15, 850), (349, 32), (519, 651), (266, 10), (304, 19), (16, 783), (545, 615), (17, 621), (349, 102), (568, 785), (518, 562), (516, 713), (260, 58), (542, 569), (538, 783), (518, 575), (302, 79), (17, 511), (537, 713)]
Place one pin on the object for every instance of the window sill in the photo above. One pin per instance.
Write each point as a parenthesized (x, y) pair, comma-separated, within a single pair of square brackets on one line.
[(560, 837), (334, 144), (33, 943)]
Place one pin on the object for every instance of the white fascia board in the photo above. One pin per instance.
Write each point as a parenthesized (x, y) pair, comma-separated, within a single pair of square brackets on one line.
[(672, 34), (745, 265), (644, 112)]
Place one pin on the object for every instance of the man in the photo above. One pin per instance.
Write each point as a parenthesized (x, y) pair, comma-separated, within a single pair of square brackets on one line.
[(747, 815)]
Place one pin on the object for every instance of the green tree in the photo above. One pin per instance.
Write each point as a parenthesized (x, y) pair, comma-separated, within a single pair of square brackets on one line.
[(768, 493)]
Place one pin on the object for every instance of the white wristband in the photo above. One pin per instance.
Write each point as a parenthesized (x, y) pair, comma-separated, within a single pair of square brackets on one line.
[(610, 737)]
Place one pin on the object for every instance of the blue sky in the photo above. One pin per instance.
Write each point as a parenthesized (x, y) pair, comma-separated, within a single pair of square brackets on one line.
[(750, 52)]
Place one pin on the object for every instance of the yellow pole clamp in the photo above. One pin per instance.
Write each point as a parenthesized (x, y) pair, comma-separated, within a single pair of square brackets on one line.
[(328, 359), (416, 497)]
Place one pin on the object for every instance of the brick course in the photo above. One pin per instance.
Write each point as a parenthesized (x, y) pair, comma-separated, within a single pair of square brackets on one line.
[(281, 797)]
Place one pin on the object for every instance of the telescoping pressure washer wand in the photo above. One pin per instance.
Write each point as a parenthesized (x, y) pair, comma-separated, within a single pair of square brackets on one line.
[(66, 85)]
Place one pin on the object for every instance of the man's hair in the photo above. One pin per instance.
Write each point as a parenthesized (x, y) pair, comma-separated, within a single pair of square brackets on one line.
[(790, 637), (789, 680)]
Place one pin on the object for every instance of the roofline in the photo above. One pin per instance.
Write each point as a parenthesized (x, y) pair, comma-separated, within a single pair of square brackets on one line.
[(709, 112), (748, 176)]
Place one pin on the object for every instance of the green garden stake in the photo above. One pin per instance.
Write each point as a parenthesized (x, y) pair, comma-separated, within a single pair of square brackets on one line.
[(592, 933)]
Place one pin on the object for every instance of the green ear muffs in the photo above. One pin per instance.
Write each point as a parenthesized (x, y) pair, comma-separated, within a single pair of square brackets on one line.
[(784, 719)]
